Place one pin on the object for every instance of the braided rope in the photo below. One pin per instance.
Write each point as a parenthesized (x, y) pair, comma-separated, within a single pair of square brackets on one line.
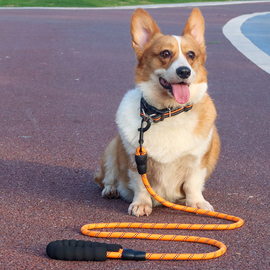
[(90, 230)]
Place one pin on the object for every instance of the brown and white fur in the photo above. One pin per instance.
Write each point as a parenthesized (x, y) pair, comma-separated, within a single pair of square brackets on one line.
[(182, 150)]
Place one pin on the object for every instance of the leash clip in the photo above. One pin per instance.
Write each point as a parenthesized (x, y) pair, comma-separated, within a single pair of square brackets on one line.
[(144, 129)]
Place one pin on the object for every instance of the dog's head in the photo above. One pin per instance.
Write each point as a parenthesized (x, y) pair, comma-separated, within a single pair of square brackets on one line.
[(170, 69)]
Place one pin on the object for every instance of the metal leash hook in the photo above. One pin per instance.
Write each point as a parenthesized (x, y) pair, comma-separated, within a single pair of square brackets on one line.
[(140, 155), (144, 129)]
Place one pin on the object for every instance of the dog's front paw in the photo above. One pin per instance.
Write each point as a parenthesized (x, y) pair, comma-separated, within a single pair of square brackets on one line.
[(110, 192), (201, 205), (138, 210)]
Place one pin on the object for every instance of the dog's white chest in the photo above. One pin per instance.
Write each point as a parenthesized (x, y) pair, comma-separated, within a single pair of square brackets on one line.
[(171, 139), (165, 141)]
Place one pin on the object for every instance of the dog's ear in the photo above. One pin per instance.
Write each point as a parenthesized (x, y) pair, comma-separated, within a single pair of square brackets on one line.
[(195, 27), (143, 28)]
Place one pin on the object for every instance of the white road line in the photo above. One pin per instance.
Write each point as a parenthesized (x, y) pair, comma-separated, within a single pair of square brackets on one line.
[(232, 31)]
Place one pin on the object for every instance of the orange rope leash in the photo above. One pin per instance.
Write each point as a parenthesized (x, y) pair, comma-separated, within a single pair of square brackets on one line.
[(90, 230)]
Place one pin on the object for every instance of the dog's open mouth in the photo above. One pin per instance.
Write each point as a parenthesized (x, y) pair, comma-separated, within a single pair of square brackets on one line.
[(180, 91)]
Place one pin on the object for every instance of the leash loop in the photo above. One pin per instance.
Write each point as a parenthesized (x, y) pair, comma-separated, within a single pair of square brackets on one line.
[(93, 230), (90, 230)]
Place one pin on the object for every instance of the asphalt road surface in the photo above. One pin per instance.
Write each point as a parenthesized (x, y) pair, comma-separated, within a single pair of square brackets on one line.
[(62, 76)]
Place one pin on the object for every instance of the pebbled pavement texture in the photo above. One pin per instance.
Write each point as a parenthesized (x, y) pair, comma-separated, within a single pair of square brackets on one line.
[(62, 76)]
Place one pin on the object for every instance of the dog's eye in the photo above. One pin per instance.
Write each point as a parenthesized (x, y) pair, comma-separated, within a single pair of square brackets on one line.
[(191, 55), (165, 54)]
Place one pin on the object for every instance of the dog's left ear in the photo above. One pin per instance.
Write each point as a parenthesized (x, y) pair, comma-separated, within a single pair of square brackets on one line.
[(195, 27)]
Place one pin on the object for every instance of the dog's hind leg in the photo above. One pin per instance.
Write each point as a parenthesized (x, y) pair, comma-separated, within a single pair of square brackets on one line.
[(107, 177)]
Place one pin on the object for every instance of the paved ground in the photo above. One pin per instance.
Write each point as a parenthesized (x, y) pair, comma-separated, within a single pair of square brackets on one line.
[(62, 76)]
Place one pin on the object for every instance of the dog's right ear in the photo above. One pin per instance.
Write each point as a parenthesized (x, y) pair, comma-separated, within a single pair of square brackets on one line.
[(143, 28)]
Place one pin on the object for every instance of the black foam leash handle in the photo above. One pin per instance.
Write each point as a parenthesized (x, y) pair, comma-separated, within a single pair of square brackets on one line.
[(72, 250)]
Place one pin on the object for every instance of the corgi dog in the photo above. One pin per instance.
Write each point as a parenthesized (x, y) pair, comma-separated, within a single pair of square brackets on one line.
[(182, 148)]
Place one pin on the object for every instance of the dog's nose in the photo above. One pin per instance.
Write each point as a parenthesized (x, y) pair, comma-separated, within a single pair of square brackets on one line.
[(183, 72)]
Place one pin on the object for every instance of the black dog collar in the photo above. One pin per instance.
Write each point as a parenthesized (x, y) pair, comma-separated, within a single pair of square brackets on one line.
[(148, 111)]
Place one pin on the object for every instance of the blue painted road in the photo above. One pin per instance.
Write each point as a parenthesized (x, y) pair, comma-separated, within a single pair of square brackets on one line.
[(257, 30)]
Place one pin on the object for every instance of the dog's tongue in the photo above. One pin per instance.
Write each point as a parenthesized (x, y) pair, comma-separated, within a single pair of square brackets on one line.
[(181, 93)]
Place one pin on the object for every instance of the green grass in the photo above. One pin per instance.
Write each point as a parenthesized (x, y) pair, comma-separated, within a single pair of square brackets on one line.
[(89, 3)]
